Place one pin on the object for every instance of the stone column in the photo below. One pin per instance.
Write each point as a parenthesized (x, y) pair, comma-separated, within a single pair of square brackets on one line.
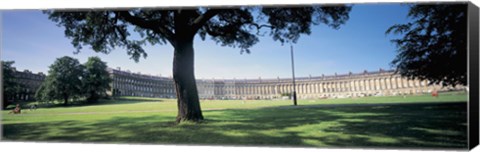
[(283, 88), (300, 88), (320, 87), (332, 87), (309, 86), (355, 85), (394, 82), (312, 87), (340, 86), (336, 85), (266, 91), (305, 88), (372, 84), (389, 83), (362, 85), (325, 87), (352, 86)]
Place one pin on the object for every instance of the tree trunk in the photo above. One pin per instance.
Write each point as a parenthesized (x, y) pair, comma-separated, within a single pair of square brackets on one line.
[(93, 97), (185, 84), (65, 100), (183, 68)]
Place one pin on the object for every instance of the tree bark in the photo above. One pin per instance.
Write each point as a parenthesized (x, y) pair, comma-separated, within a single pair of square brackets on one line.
[(185, 84)]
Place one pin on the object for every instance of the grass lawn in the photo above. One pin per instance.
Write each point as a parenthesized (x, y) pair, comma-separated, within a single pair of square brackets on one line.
[(397, 122)]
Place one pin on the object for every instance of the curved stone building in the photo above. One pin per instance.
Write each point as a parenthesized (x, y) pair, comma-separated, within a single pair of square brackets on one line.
[(378, 83)]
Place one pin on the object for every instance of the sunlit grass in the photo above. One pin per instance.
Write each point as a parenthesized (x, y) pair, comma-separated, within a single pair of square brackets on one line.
[(410, 121)]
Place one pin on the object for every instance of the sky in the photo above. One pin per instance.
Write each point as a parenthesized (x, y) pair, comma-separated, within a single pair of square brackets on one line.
[(33, 41)]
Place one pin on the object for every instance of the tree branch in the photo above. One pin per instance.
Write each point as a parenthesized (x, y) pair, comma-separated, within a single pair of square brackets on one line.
[(260, 26), (203, 19), (152, 25)]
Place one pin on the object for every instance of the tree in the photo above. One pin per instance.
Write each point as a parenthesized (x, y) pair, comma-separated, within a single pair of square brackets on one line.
[(45, 93), (10, 85), (434, 44), (96, 80), (105, 30), (63, 82)]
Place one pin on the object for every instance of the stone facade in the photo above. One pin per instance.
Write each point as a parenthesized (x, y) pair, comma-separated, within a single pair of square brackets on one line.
[(378, 83), (29, 83), (126, 83)]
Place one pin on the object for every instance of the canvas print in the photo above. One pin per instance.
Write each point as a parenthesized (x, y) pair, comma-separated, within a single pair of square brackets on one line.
[(386, 75)]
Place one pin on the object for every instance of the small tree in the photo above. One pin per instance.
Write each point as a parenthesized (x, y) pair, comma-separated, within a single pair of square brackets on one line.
[(44, 93), (10, 86), (63, 82), (434, 44), (96, 80)]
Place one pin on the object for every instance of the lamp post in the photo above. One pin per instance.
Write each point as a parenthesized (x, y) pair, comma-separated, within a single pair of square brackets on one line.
[(293, 75)]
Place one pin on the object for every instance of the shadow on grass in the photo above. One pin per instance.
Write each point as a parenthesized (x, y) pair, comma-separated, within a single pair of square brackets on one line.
[(124, 101), (82, 103), (435, 125)]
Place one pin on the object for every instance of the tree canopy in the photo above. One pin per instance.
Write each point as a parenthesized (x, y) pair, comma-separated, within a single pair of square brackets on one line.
[(96, 79), (434, 44), (104, 30), (63, 82)]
